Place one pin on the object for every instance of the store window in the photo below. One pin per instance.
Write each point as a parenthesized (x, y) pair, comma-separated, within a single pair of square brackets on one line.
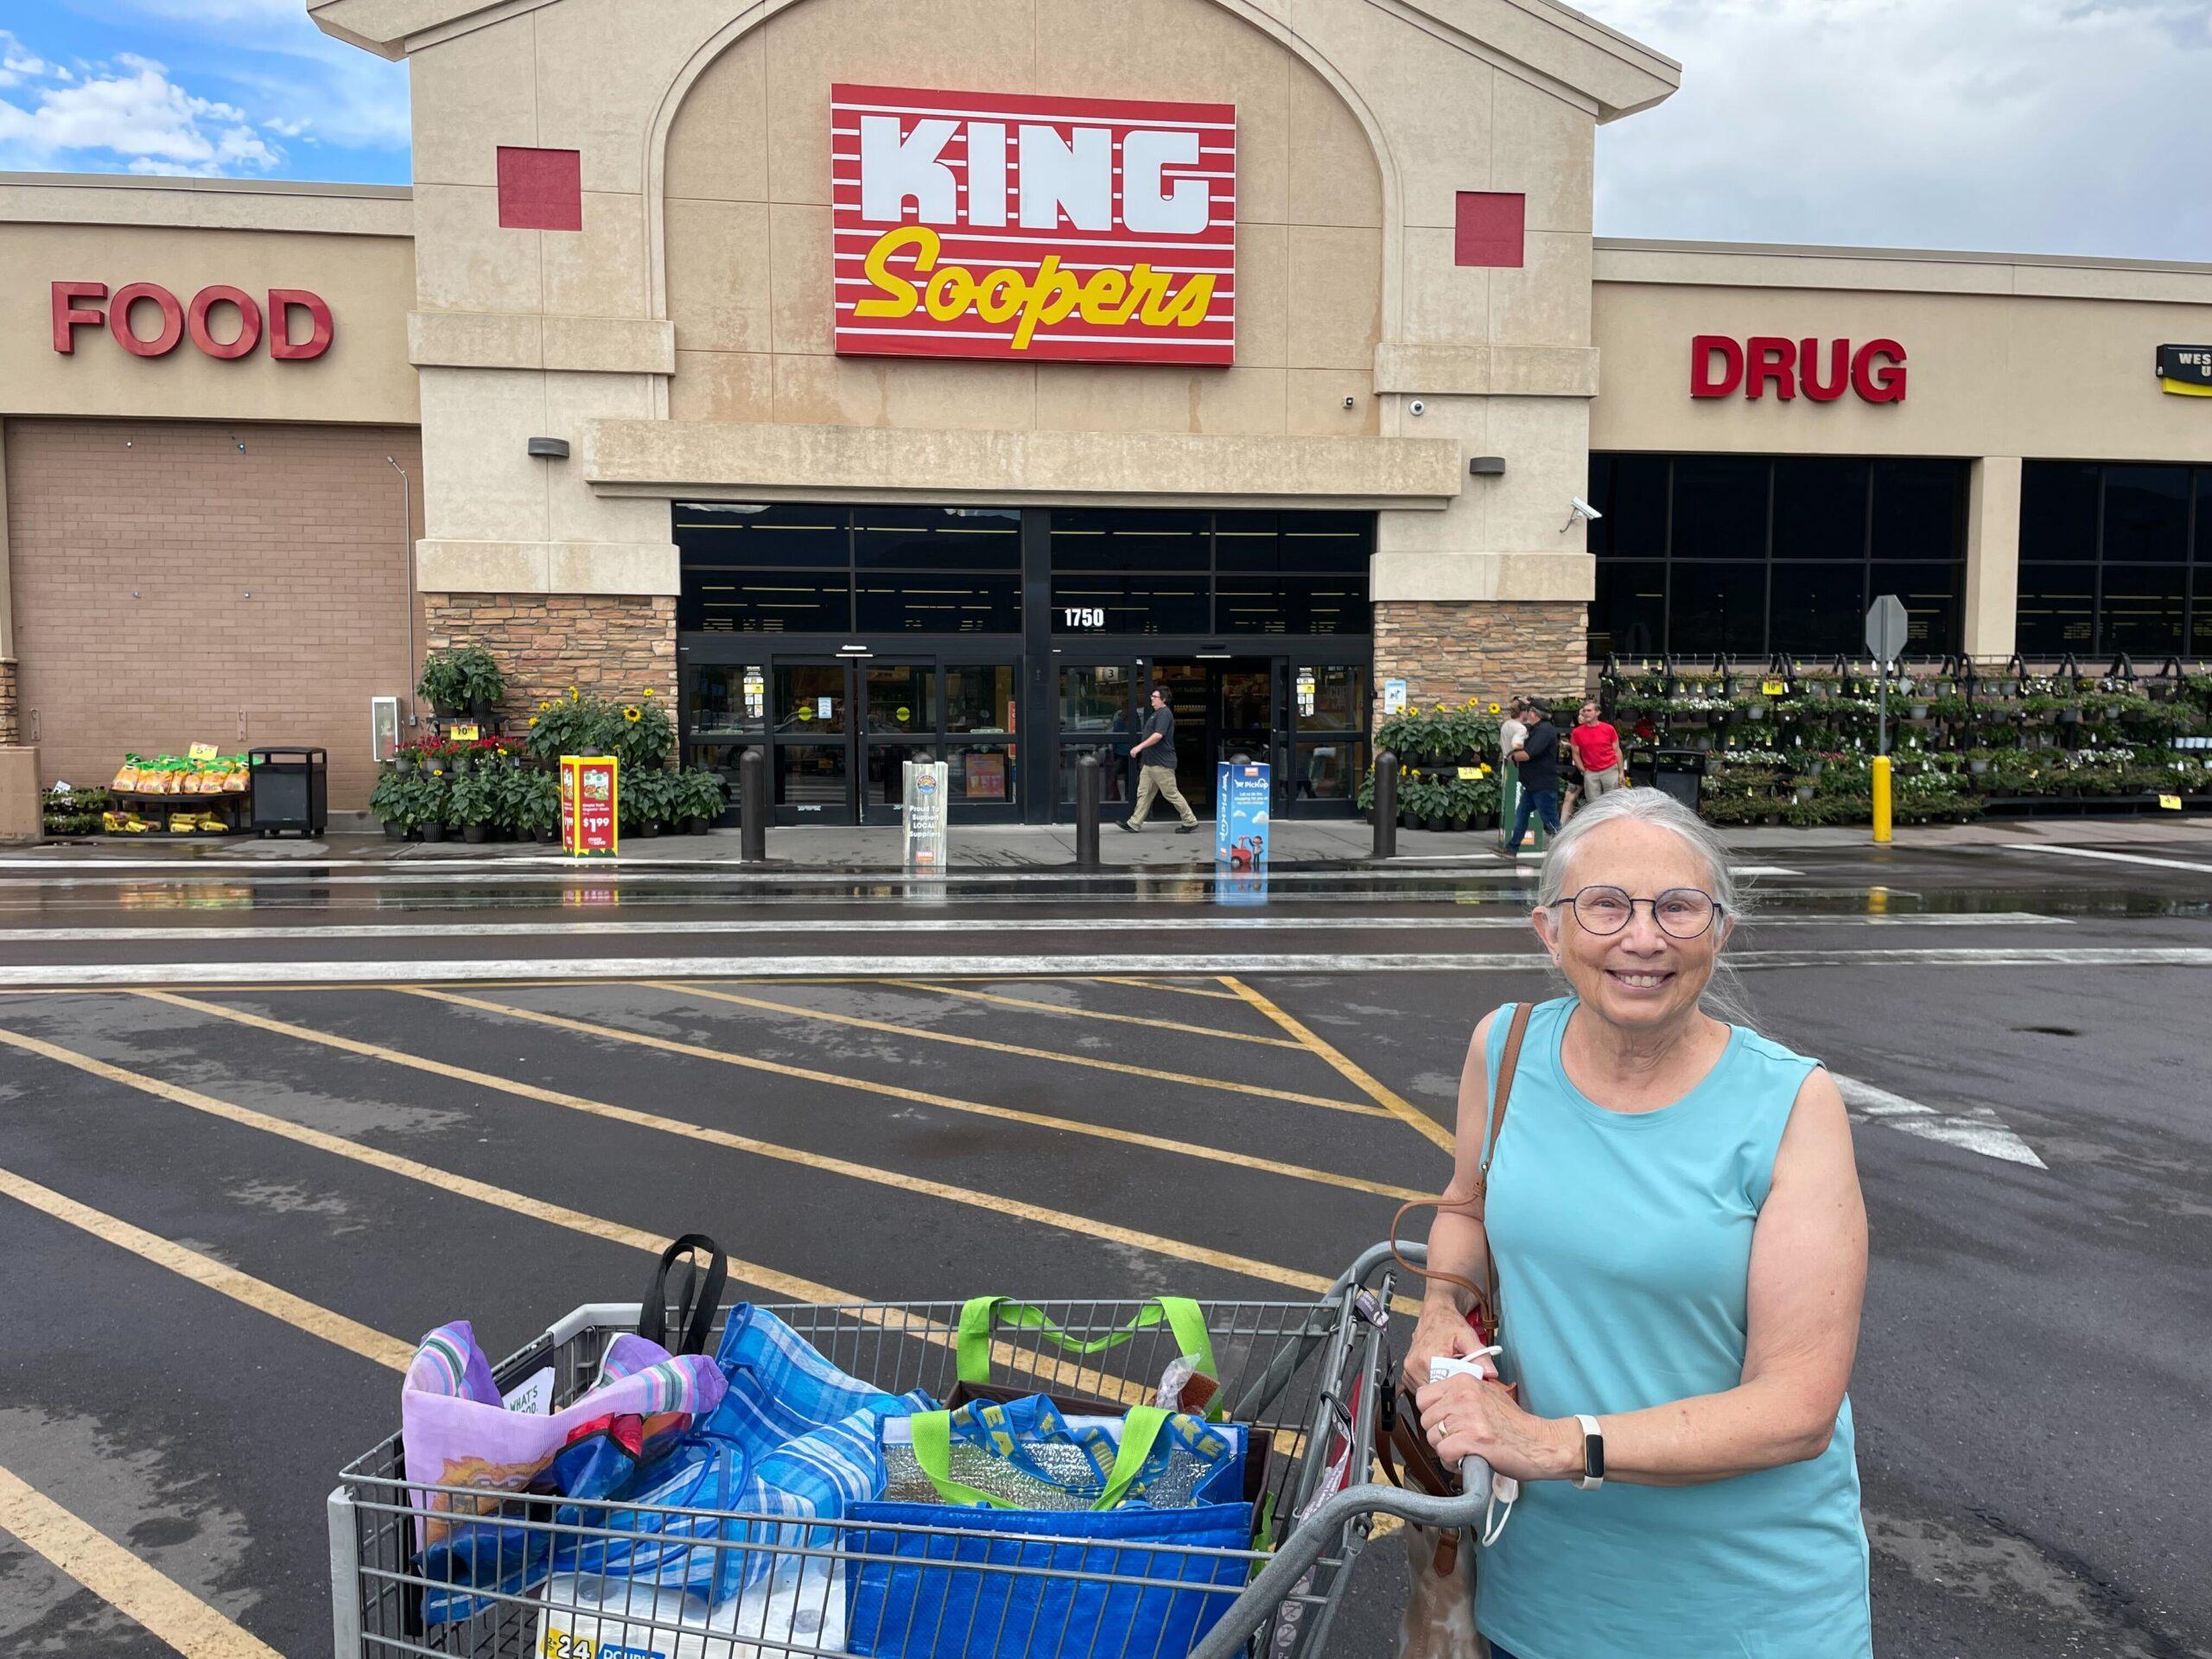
[(1748, 556), (2114, 557), (798, 568), (1117, 572)]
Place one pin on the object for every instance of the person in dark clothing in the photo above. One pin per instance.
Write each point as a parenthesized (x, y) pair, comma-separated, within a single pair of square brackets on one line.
[(1537, 759), (1155, 753)]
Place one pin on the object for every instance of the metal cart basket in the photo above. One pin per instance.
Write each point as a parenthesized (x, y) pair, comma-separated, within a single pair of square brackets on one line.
[(1305, 1371)]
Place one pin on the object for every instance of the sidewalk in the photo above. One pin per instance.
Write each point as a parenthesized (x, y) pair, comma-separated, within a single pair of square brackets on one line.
[(1331, 844)]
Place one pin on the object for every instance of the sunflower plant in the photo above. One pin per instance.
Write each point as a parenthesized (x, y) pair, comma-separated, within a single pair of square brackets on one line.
[(644, 735)]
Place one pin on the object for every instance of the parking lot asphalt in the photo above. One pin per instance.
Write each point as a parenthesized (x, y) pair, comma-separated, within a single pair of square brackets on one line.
[(240, 1176)]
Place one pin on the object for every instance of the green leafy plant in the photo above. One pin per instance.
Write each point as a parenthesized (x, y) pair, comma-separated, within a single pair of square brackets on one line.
[(461, 678), (534, 805), (703, 794), (473, 799), (644, 735), (577, 723)]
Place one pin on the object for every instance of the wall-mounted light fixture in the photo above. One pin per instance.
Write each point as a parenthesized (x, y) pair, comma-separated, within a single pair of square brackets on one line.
[(549, 448), (1487, 466)]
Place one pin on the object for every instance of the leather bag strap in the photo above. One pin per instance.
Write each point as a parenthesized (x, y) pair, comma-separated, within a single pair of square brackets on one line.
[(1485, 1296)]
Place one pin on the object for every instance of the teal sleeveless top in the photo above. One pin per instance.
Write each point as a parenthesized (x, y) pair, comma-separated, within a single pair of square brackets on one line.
[(1623, 1242)]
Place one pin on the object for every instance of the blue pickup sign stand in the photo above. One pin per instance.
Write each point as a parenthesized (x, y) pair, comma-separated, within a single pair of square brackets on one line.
[(1241, 790)]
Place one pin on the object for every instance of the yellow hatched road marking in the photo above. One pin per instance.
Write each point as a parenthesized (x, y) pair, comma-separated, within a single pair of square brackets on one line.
[(1040, 1120), (995, 1203), (861, 1023), (315, 1320), (158, 1603), (1052, 1370), (1091, 1014), (1389, 1099), (1176, 986)]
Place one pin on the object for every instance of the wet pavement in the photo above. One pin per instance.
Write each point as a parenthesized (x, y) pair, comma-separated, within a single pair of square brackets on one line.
[(379, 1096)]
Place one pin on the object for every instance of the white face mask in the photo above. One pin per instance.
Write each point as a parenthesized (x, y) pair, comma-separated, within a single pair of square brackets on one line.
[(1475, 1479)]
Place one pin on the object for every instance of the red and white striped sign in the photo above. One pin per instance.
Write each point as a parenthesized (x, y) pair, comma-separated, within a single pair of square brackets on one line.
[(1006, 226)]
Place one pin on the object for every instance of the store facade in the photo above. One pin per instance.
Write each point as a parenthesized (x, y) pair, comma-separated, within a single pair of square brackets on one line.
[(876, 379)]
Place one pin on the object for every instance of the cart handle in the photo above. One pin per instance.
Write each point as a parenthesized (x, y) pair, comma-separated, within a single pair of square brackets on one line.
[(1266, 1592)]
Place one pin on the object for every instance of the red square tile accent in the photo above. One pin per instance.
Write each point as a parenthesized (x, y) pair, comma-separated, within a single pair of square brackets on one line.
[(1487, 227), (543, 189)]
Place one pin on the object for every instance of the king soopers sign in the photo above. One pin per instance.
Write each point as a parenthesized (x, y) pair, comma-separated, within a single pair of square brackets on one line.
[(1004, 226)]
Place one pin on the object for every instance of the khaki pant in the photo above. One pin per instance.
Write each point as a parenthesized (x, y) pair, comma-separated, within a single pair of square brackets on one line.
[(1159, 781), (1595, 784)]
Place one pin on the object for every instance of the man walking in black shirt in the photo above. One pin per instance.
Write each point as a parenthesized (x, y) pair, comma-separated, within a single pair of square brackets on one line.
[(1538, 760), (1155, 753)]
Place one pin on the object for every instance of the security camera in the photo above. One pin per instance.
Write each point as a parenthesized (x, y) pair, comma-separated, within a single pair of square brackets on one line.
[(1578, 508), (1417, 407)]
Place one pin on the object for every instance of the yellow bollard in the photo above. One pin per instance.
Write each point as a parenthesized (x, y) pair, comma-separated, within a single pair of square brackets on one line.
[(1881, 798)]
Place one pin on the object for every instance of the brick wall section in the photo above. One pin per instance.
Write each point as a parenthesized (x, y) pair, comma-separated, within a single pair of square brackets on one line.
[(1448, 650), (135, 545), (10, 732), (615, 644)]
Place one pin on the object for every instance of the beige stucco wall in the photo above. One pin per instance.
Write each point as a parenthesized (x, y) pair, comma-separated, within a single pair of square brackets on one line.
[(351, 245), (2007, 356), (696, 290)]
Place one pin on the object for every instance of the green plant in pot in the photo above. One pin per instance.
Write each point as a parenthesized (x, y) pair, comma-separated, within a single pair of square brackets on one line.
[(642, 803), (704, 797), (432, 803), (536, 805), (465, 680), (645, 735), (574, 723), (388, 800), (471, 802)]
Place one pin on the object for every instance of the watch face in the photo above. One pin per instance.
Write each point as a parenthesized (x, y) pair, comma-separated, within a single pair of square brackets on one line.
[(1593, 1457)]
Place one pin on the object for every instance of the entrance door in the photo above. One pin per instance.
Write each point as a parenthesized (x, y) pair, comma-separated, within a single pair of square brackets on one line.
[(1224, 708), (812, 708)]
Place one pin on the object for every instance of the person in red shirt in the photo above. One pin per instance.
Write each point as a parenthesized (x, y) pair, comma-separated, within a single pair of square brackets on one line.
[(1597, 752)]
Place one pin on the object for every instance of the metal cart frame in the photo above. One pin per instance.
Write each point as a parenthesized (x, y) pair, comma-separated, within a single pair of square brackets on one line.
[(1307, 1371)]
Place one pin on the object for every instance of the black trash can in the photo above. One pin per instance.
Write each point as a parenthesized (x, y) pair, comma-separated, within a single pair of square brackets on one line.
[(1681, 772), (291, 790)]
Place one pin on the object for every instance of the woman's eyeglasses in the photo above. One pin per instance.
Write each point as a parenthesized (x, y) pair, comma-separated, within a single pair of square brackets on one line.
[(1681, 913)]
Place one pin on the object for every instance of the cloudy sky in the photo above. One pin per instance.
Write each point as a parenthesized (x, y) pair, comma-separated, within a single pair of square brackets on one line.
[(2059, 126)]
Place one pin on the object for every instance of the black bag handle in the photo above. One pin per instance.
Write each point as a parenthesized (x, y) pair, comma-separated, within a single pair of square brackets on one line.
[(695, 1313)]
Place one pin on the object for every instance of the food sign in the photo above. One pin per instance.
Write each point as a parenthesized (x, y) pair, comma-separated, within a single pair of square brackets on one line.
[(1009, 225), (588, 796)]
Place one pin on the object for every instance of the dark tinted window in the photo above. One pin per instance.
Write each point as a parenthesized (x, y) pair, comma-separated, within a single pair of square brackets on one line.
[(1632, 491), (1113, 604), (767, 602), (2058, 511), (2145, 607), (733, 534), (1293, 541), (1290, 605), (1717, 607), (1819, 509), (1719, 507), (2146, 515), (1819, 610), (2057, 610), (1932, 595), (1114, 539), (937, 538), (1628, 616), (938, 604), (1919, 509)]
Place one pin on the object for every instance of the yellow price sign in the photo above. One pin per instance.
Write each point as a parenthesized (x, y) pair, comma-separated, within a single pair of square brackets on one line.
[(201, 752), (1774, 688), (2172, 803), (1471, 774), (463, 733)]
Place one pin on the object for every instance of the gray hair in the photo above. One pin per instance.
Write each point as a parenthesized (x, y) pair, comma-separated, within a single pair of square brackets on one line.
[(1725, 997)]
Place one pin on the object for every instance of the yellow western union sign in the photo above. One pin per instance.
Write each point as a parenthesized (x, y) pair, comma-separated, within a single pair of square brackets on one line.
[(2186, 370)]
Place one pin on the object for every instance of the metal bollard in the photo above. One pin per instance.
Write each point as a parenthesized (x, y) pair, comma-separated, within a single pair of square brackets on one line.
[(1386, 804), (1086, 811), (753, 807)]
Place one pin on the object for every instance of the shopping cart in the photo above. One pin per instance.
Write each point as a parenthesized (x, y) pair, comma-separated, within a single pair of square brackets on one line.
[(1305, 1371)]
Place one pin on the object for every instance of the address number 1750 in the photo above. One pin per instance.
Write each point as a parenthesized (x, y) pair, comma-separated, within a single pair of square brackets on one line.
[(1085, 616)]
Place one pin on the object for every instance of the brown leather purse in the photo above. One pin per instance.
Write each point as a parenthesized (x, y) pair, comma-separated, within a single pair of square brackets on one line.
[(1398, 1437)]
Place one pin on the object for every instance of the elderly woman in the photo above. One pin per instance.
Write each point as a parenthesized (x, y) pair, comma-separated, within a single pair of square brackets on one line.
[(1675, 1220)]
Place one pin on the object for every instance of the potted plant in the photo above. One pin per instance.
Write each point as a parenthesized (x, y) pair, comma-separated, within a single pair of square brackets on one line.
[(465, 680), (639, 802), (574, 724), (704, 799), (535, 806), (388, 800), (433, 801), (474, 799)]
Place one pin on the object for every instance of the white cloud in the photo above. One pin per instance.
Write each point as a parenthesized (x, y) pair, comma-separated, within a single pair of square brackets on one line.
[(2063, 126), (18, 64), (140, 114)]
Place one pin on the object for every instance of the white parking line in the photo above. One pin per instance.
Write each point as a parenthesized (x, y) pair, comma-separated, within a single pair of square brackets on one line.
[(246, 932), (1979, 1130), (2114, 858)]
